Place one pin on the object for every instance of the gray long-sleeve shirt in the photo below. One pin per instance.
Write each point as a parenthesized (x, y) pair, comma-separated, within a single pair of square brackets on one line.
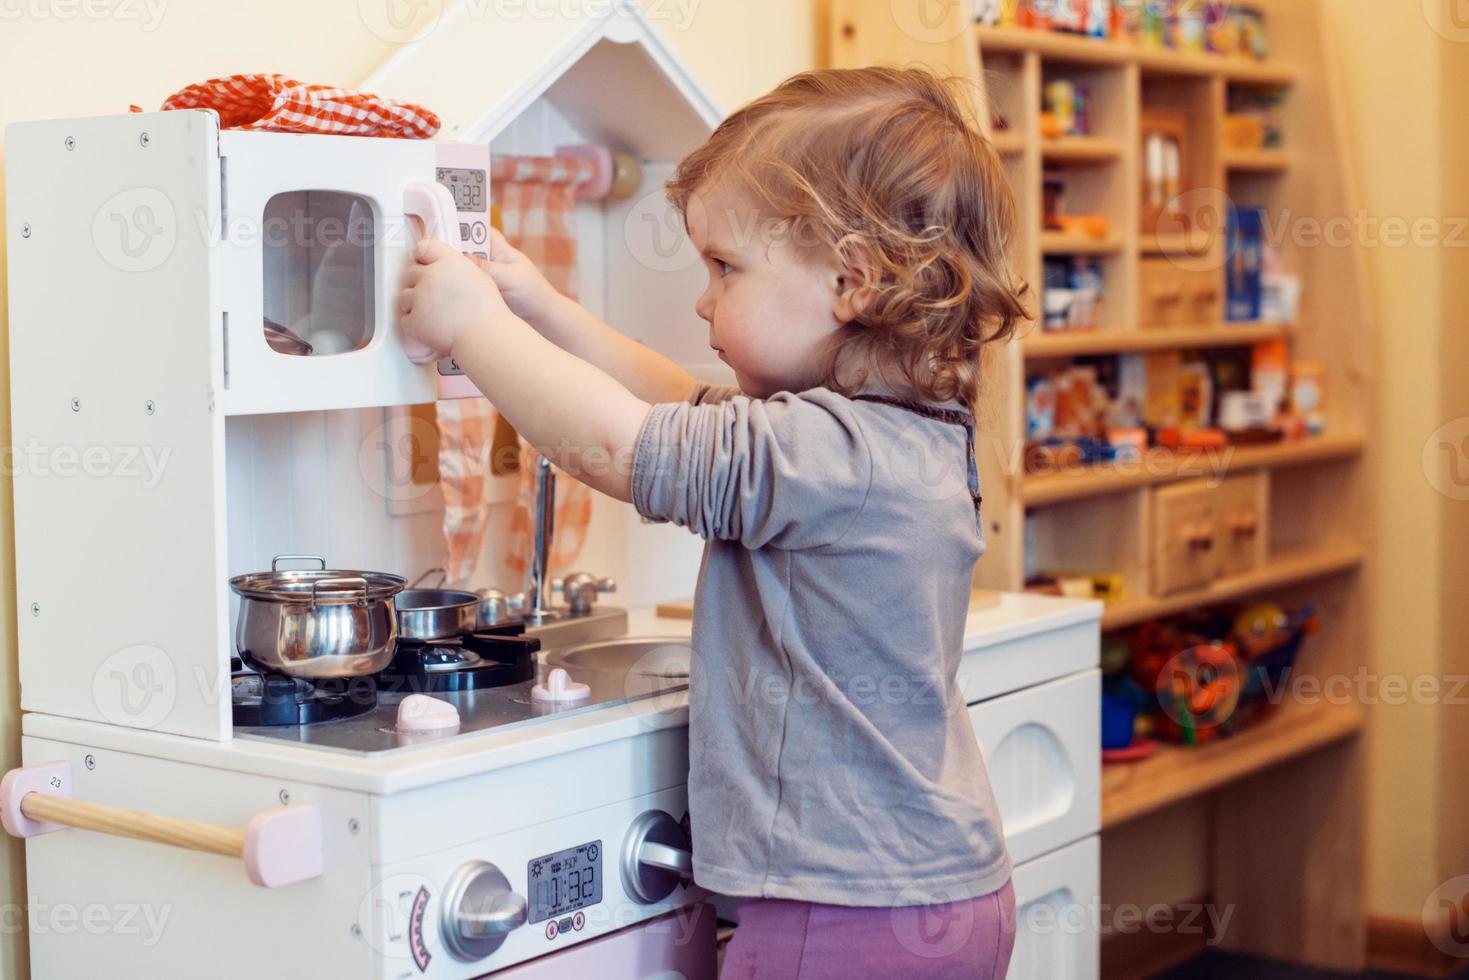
[(831, 756)]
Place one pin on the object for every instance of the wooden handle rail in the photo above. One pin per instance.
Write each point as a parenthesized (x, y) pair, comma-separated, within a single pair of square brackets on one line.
[(189, 834), (278, 847)]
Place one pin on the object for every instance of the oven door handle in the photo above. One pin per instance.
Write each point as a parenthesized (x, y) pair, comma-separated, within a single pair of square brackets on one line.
[(431, 203), (280, 846), (508, 916), (667, 857)]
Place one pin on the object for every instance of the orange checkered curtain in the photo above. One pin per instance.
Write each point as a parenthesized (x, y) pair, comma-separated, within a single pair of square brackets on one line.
[(536, 197)]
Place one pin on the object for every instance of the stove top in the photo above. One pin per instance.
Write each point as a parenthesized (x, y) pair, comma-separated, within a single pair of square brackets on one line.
[(506, 707), (488, 658)]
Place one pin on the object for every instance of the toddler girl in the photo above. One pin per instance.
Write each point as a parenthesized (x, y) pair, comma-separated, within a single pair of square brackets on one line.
[(854, 226)]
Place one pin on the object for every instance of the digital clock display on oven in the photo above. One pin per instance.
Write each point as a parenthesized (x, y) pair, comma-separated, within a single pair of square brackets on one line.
[(564, 881), (467, 184)]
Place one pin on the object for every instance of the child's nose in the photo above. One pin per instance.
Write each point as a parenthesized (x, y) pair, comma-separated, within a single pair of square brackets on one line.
[(704, 307)]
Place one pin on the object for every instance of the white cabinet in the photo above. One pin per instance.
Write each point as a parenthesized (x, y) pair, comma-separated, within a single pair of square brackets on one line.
[(1042, 747), (1055, 914), (1030, 674)]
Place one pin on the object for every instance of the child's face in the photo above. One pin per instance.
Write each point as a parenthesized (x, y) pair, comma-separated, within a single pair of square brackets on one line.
[(771, 301)]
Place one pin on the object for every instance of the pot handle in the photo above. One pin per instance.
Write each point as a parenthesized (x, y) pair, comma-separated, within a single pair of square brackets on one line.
[(353, 580), (279, 847), (280, 558)]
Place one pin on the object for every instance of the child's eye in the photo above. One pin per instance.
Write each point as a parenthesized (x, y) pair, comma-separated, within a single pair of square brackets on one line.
[(723, 267)]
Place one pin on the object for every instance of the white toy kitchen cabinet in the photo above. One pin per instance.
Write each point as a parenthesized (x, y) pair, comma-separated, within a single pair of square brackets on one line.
[(202, 399)]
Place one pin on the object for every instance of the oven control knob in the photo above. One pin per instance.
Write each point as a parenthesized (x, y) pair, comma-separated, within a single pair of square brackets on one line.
[(656, 856), (480, 909)]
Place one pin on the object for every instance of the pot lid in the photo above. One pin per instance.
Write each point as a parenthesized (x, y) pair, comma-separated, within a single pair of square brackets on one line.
[(325, 586)]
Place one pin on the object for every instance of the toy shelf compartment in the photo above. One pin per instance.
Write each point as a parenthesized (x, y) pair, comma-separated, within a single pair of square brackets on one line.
[(1175, 774)]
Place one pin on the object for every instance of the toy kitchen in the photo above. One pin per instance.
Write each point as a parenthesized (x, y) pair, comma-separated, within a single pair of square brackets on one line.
[(253, 714)]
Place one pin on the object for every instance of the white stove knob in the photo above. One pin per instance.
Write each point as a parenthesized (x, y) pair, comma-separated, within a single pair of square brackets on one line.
[(421, 713), (559, 687)]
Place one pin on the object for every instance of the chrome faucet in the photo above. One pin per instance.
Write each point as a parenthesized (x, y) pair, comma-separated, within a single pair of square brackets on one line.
[(539, 590), (533, 606)]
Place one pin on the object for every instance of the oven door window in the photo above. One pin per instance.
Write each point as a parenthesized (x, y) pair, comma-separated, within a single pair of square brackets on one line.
[(318, 249)]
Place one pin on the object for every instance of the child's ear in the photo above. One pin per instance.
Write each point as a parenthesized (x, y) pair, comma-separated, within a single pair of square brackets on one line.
[(856, 281)]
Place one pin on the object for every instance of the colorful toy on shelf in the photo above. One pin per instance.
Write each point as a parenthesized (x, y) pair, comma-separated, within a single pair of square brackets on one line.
[(1104, 408), (1215, 672), (1220, 27), (1250, 32), (1106, 586), (1190, 437), (1155, 28), (1244, 239), (1308, 395), (1065, 109), (1165, 158), (1072, 299)]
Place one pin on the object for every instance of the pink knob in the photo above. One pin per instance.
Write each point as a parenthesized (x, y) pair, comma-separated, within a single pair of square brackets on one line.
[(421, 713), (559, 687)]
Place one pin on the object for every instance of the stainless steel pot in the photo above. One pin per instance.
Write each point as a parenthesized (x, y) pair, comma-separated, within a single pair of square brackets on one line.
[(316, 623), (436, 614)]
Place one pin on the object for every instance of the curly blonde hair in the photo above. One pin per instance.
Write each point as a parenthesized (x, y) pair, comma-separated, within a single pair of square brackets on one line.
[(886, 167)]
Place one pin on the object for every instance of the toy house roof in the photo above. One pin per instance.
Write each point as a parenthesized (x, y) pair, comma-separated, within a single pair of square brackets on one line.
[(608, 71)]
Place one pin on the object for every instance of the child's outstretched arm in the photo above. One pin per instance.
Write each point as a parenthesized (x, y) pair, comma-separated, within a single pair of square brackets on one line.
[(572, 327), (575, 414)]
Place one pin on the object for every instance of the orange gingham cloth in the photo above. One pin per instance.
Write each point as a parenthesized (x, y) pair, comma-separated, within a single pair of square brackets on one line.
[(284, 105), (536, 198)]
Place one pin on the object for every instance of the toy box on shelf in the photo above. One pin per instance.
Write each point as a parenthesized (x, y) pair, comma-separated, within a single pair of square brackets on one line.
[(1193, 679)]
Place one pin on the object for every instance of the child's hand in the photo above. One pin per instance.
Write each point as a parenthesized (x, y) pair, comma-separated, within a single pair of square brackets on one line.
[(523, 285), (445, 296)]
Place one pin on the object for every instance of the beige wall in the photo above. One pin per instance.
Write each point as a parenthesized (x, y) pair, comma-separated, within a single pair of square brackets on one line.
[(62, 64), (1393, 64), (1405, 89)]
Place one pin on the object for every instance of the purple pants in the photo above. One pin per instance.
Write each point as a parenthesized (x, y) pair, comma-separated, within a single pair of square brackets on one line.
[(785, 940)]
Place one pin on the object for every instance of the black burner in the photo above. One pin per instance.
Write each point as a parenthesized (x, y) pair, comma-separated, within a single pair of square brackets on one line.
[(490, 657), (275, 699)]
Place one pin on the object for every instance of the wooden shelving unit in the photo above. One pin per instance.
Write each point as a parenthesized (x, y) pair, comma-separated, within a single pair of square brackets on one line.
[(1060, 243), (1163, 466), (1078, 343), (1009, 144), (1295, 883), (1080, 149), (1289, 568), (1256, 161)]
